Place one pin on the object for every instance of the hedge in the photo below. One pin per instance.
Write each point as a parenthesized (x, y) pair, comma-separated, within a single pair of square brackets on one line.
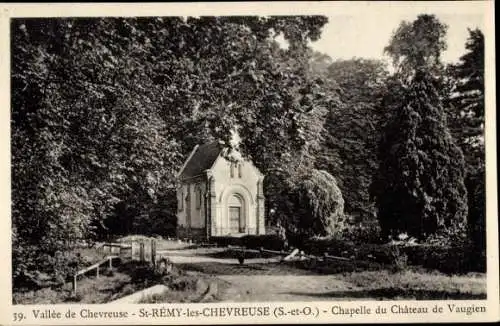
[(451, 259), (268, 241)]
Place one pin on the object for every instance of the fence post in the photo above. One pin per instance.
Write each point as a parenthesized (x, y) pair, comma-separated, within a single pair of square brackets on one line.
[(153, 252), (133, 246), (141, 251), (97, 272), (110, 263), (74, 283)]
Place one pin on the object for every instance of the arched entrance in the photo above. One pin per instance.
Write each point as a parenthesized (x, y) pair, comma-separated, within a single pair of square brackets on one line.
[(236, 207)]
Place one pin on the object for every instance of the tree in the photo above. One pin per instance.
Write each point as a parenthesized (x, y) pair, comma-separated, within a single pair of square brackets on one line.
[(466, 113), (420, 186), (105, 110), (417, 46), (466, 116), (352, 130), (313, 206)]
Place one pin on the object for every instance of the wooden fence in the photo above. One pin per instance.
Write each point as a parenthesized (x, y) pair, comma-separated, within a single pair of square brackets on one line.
[(96, 267), (139, 250), (143, 251)]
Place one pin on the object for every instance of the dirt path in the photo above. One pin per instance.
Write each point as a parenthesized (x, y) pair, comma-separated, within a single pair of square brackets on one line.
[(262, 279), (284, 288), (266, 279), (197, 256)]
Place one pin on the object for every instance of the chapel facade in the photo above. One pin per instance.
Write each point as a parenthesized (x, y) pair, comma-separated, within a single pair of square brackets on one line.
[(219, 194)]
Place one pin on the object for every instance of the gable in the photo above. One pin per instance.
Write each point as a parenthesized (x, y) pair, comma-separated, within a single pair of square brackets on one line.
[(202, 158)]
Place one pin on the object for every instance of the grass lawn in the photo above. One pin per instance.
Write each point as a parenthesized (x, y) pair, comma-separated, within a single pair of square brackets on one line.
[(417, 284), (90, 290)]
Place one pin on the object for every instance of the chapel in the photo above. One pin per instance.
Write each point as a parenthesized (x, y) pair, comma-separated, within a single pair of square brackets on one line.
[(219, 194)]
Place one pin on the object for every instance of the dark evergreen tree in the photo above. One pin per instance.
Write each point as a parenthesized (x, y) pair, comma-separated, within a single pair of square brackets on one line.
[(466, 113), (467, 116), (420, 186)]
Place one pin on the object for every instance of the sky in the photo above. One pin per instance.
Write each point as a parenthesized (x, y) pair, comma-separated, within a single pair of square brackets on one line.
[(365, 36)]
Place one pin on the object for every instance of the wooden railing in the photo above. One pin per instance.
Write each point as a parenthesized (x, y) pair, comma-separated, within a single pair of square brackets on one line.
[(96, 266), (136, 250)]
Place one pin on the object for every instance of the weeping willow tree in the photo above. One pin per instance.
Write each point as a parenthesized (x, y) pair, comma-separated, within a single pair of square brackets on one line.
[(314, 204)]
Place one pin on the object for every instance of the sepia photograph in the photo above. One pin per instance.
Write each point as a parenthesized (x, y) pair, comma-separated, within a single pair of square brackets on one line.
[(249, 158)]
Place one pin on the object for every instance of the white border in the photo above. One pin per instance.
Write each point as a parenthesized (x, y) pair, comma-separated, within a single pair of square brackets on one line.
[(486, 8)]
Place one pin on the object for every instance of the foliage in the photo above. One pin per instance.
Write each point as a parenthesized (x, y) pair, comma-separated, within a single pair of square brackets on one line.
[(466, 116), (311, 205), (270, 242), (420, 187), (466, 113), (362, 232), (399, 259), (352, 130), (417, 46), (476, 190), (456, 258), (105, 110)]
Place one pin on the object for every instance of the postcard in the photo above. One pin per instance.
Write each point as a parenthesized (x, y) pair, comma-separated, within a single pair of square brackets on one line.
[(248, 162)]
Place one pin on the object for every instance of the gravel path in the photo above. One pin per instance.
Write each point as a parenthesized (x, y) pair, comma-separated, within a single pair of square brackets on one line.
[(261, 279)]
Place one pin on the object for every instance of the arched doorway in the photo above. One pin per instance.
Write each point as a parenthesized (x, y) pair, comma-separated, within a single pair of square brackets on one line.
[(236, 207)]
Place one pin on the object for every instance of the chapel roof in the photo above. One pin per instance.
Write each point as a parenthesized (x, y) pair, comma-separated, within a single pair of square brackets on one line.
[(202, 158)]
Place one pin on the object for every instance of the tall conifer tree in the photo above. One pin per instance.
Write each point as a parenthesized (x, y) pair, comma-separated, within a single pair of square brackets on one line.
[(420, 187)]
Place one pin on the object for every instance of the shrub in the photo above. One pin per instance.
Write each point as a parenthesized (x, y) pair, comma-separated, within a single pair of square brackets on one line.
[(459, 258), (362, 233), (267, 241), (320, 202), (271, 242), (449, 259), (226, 241), (310, 204), (399, 259)]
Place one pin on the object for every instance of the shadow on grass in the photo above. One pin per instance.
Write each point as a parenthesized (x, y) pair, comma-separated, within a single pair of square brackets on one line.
[(230, 254), (306, 267), (243, 269), (396, 293)]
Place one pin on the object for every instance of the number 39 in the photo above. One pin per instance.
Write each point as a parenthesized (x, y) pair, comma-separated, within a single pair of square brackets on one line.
[(18, 316)]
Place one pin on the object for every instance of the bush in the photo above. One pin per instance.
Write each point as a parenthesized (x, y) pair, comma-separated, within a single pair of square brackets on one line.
[(309, 204), (399, 259), (267, 241), (270, 242), (447, 259), (320, 194), (223, 241), (450, 260), (362, 233)]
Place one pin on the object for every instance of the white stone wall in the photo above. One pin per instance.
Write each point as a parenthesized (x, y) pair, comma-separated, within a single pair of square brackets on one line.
[(244, 185), (191, 211)]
